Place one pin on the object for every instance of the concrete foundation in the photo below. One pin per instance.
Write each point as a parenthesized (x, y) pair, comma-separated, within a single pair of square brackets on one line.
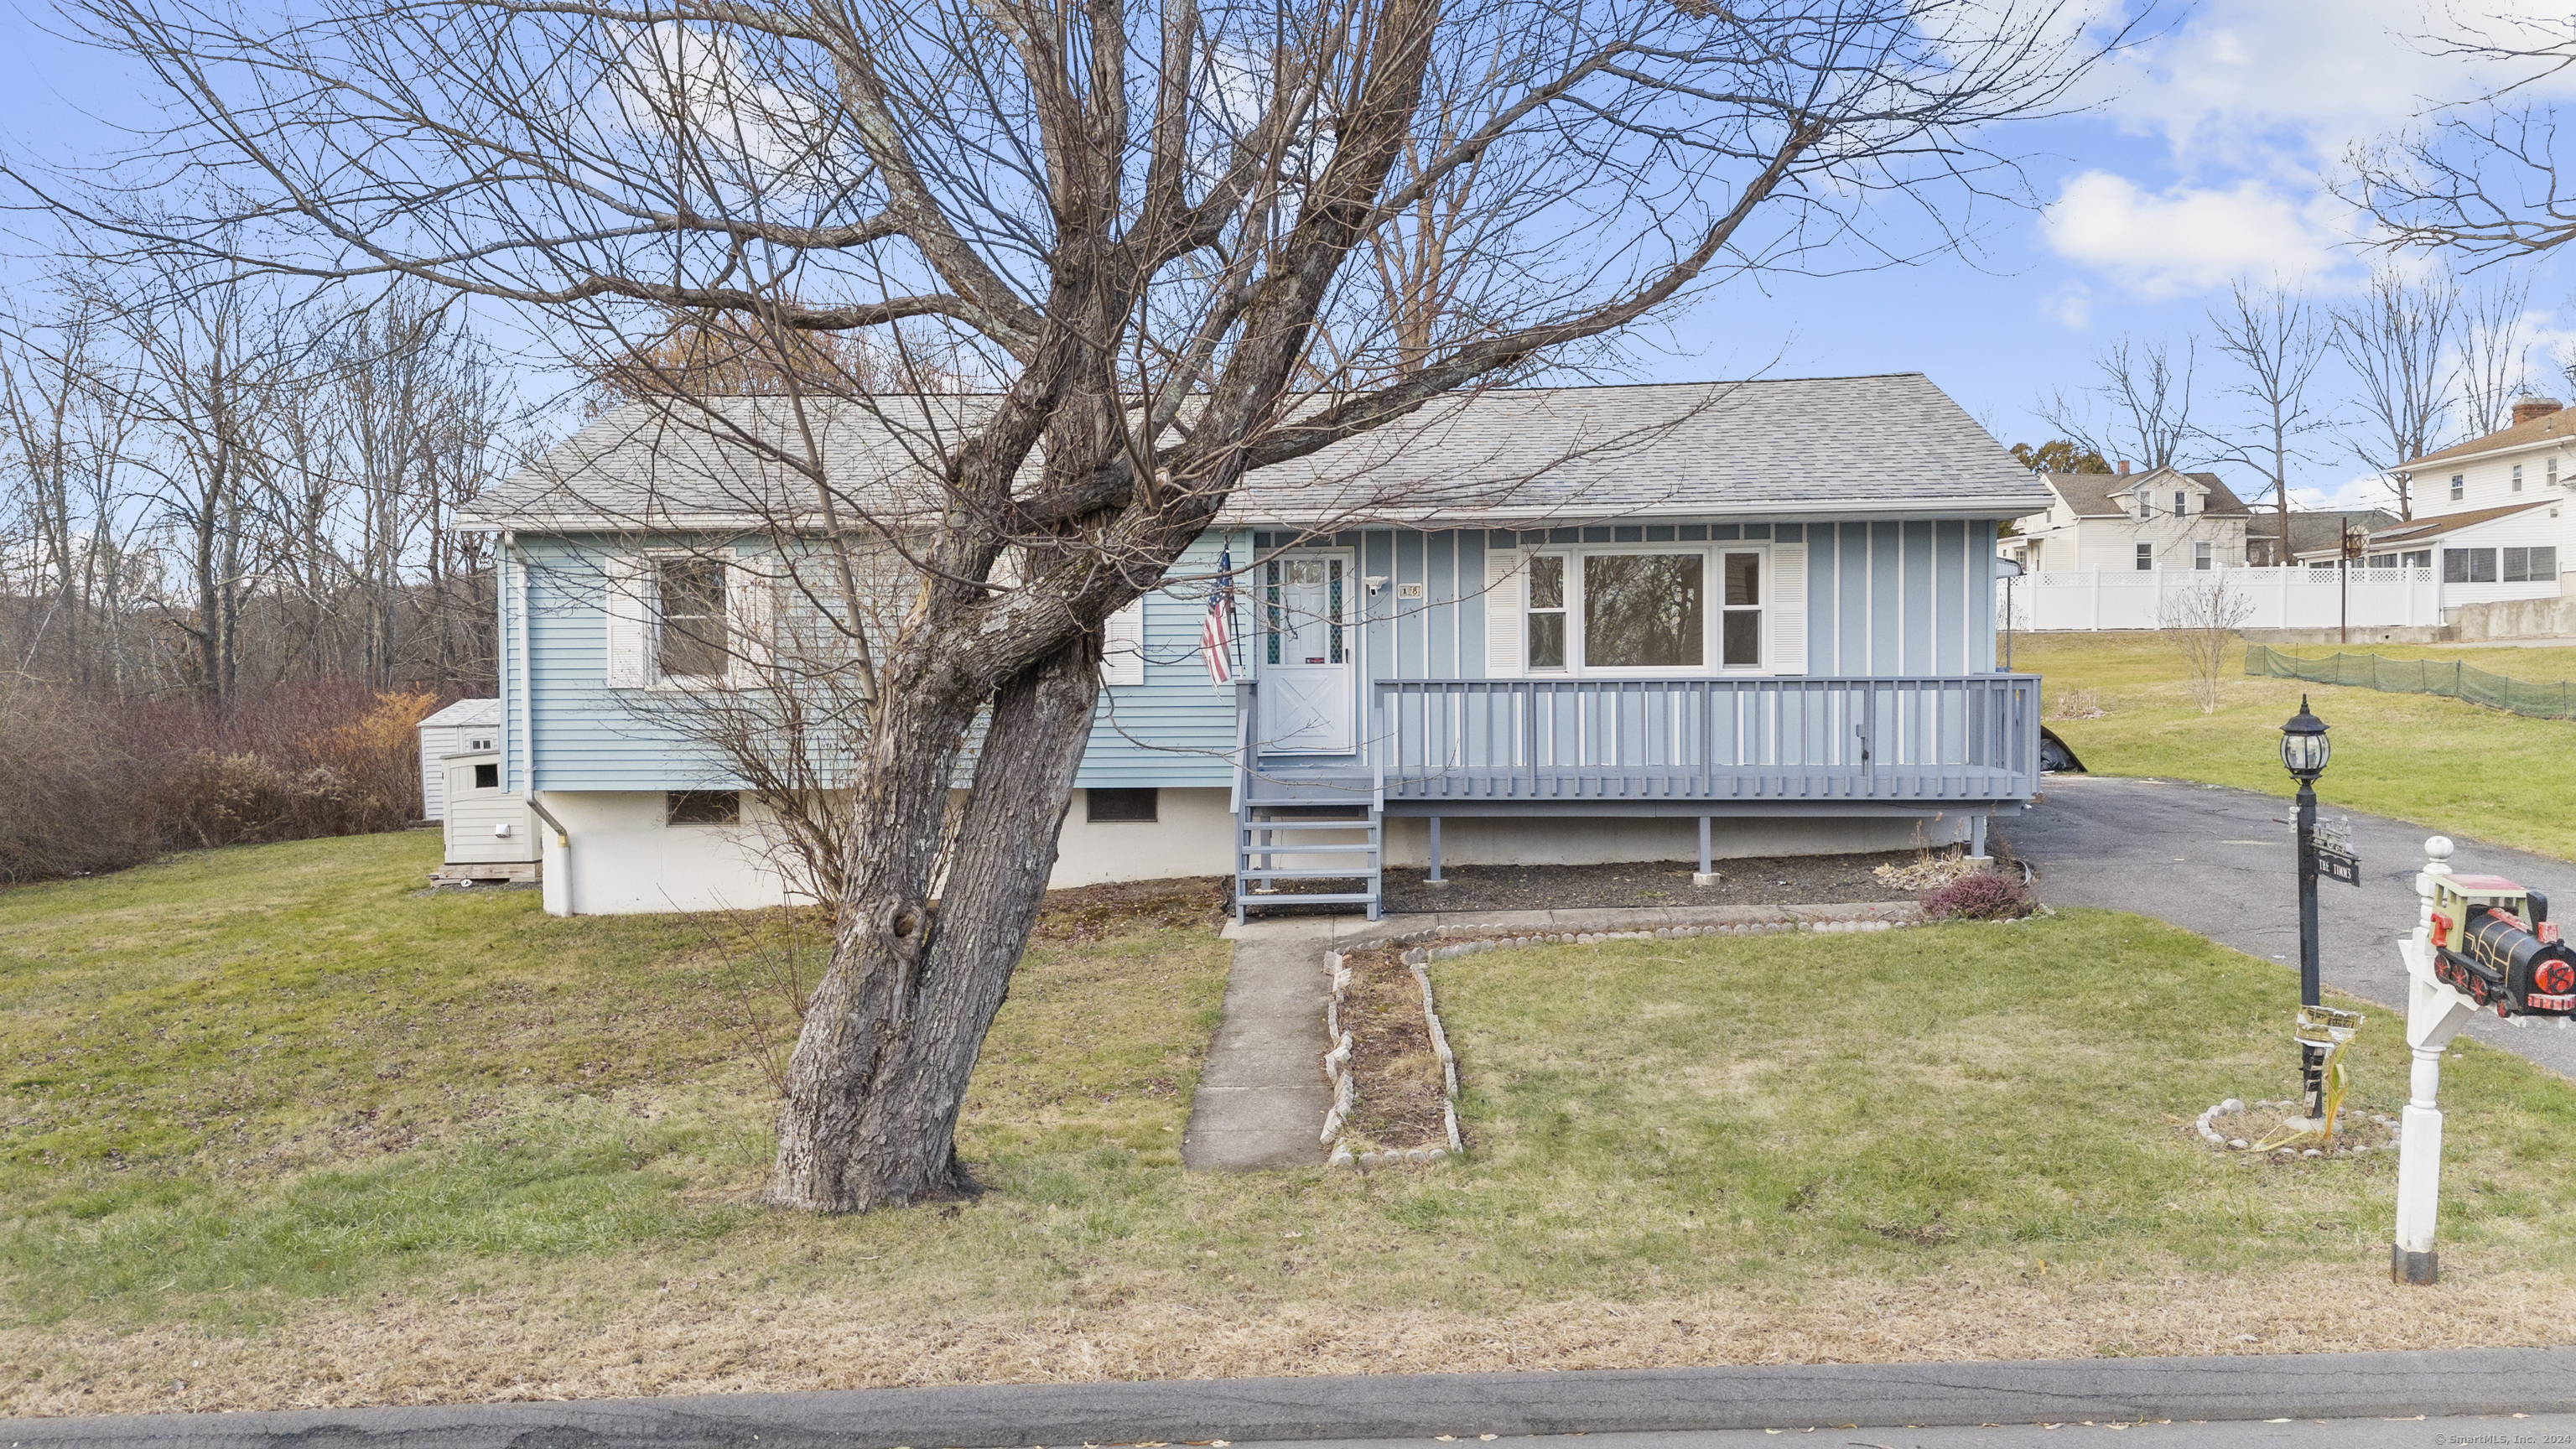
[(624, 858)]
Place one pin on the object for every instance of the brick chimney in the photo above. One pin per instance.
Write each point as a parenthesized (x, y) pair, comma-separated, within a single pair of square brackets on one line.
[(2124, 463), (2527, 407)]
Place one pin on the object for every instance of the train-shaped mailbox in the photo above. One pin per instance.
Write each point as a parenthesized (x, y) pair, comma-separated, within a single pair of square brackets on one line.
[(2494, 943)]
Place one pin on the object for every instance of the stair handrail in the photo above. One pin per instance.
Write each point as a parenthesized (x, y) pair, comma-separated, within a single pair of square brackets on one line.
[(1243, 732)]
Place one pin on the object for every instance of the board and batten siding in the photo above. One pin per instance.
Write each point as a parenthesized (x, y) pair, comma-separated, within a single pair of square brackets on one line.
[(1876, 598)]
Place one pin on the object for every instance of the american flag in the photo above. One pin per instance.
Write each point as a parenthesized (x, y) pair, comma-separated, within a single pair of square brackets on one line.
[(1216, 632)]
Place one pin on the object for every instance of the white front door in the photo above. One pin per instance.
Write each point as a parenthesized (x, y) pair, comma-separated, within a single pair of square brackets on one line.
[(1309, 658)]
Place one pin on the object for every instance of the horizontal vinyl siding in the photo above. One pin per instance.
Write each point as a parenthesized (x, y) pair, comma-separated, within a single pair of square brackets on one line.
[(587, 736), (1173, 729)]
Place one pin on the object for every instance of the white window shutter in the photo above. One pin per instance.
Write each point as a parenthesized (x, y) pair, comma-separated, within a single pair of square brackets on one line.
[(1503, 655), (1788, 608), (751, 610), (629, 579), (1122, 646)]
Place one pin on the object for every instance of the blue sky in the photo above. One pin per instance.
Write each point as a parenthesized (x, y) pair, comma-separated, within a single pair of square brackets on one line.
[(2204, 159)]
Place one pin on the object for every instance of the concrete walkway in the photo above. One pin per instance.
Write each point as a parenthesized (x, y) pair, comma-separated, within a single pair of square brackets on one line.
[(2224, 863), (1262, 1096), (2255, 1387)]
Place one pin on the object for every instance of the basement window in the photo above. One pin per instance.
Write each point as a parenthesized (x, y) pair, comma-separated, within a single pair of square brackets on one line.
[(1120, 807), (702, 807), (487, 777)]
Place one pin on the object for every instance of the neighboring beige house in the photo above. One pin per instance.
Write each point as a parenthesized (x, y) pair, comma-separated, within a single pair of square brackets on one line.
[(2103, 522), (2491, 512)]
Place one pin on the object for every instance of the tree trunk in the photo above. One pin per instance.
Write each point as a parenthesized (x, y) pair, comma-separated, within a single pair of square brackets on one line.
[(891, 1036)]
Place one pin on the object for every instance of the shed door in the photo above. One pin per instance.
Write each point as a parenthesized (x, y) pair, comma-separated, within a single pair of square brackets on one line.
[(1309, 655)]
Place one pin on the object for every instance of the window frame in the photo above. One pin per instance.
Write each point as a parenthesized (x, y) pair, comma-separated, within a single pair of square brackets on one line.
[(2517, 477), (2459, 486), (656, 676), (671, 807), (2145, 556), (2204, 557), (1713, 609), (1092, 797)]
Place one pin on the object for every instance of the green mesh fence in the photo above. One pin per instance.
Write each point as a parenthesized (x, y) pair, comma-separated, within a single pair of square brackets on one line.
[(2419, 676)]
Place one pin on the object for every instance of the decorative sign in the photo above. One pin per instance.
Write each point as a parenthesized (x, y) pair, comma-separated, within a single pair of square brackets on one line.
[(2335, 857)]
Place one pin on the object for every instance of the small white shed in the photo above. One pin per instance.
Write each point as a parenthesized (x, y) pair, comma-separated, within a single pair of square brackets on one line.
[(468, 724), (489, 831)]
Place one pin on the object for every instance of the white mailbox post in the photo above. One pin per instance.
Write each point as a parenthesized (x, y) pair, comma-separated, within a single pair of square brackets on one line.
[(2435, 1012)]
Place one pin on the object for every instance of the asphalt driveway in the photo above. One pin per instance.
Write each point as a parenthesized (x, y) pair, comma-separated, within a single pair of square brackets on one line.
[(2223, 862)]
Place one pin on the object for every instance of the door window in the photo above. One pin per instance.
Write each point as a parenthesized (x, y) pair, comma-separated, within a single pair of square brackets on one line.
[(1303, 604)]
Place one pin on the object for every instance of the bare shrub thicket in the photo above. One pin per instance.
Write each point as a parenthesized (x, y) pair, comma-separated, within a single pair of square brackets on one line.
[(89, 786), (2202, 622)]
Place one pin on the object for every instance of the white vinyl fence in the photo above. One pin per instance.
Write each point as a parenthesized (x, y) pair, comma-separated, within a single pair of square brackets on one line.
[(2280, 598)]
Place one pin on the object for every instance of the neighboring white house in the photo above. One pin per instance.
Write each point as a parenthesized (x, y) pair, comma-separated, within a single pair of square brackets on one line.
[(2105, 522), (2493, 510)]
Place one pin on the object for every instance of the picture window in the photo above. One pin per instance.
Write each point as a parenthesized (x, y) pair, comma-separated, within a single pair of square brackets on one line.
[(703, 807), (1121, 807)]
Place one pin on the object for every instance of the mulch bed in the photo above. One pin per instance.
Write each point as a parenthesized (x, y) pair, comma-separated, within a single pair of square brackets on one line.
[(1399, 1094)]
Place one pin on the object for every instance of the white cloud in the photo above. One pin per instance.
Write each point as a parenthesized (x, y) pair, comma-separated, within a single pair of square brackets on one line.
[(2185, 239), (2070, 306), (2238, 82)]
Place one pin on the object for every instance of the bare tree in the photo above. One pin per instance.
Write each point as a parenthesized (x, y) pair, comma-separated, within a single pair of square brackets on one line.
[(2495, 348), (1140, 223), (2276, 341), (2398, 339), (2148, 396), (2202, 621)]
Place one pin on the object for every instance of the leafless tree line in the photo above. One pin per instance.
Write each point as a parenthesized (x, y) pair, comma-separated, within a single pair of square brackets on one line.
[(218, 487), (2414, 361)]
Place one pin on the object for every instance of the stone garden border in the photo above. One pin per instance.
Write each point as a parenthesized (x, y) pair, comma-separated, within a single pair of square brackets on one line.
[(1449, 940)]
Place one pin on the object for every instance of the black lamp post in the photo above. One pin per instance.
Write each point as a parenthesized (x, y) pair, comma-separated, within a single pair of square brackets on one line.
[(2304, 753)]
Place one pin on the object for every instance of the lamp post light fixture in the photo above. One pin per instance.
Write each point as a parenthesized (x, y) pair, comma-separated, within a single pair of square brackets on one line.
[(2304, 752)]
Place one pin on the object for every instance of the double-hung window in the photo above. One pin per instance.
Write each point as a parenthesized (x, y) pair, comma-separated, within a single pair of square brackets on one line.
[(689, 619), (2517, 477), (1645, 610), (2459, 486), (2201, 556), (2146, 555)]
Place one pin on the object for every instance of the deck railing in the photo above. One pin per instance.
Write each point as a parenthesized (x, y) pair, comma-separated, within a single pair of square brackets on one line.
[(1950, 737)]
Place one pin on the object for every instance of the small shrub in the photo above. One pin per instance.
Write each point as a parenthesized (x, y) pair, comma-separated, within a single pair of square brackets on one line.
[(1981, 897)]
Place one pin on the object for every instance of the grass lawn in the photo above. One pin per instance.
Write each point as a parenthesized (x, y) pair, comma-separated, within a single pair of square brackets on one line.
[(2442, 763), (285, 1132)]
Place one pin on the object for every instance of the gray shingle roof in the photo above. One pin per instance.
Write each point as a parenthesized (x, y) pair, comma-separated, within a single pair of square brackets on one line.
[(2098, 495), (1846, 446)]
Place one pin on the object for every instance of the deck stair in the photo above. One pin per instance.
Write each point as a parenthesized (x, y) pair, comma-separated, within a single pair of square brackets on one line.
[(1298, 838)]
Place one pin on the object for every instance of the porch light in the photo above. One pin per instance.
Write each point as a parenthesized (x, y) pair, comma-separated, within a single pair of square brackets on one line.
[(2304, 750)]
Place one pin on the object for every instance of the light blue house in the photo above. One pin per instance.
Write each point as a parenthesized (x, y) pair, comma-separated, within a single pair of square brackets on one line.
[(1663, 622)]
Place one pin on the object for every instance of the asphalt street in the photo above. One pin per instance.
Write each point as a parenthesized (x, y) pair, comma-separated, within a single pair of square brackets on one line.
[(2467, 1391), (2224, 863)]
